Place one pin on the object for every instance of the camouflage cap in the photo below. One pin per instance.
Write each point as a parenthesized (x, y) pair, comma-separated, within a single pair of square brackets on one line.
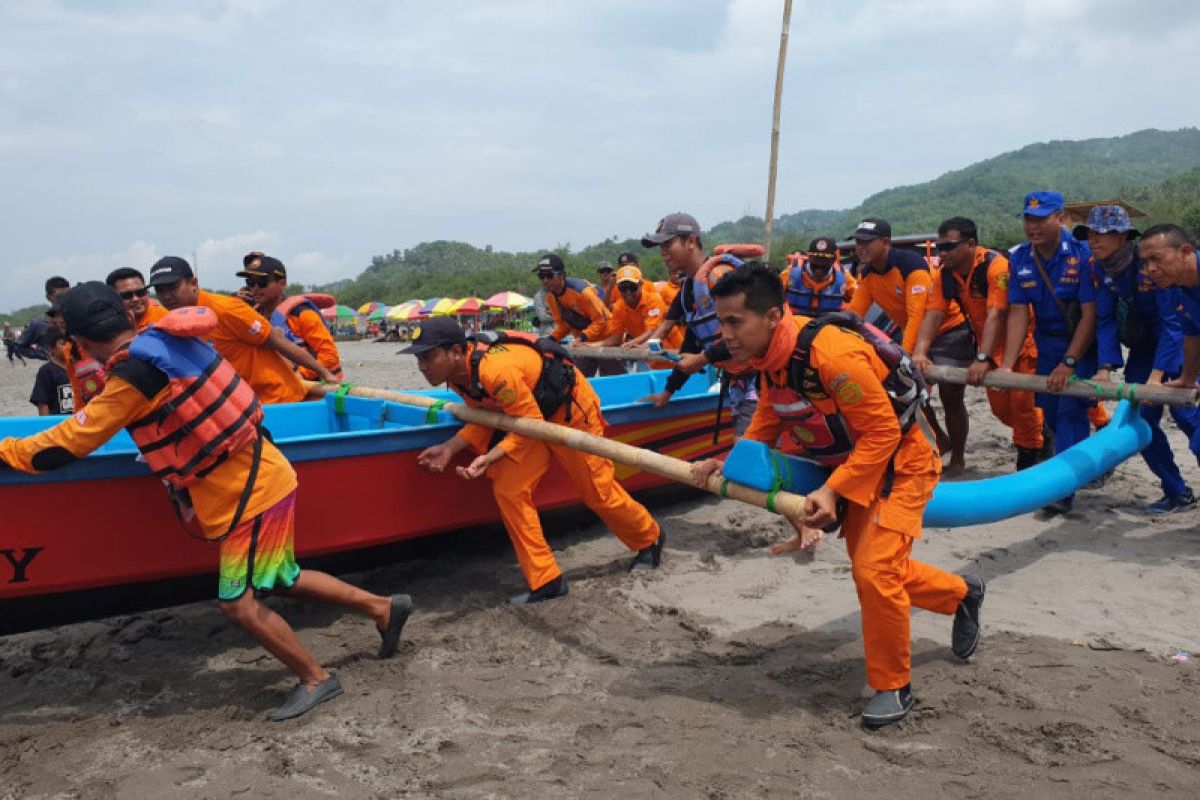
[(1106, 219)]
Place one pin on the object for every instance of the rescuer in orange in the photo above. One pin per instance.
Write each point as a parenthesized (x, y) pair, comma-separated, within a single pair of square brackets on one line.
[(243, 336), (974, 280), (130, 285), (578, 311), (884, 473), (502, 376), (814, 282), (896, 280), (198, 428), (638, 309), (298, 317)]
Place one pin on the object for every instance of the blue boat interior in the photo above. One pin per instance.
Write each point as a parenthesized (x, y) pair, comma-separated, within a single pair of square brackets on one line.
[(367, 417)]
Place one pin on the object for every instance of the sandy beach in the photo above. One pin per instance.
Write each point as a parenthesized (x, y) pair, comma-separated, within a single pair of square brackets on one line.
[(728, 673)]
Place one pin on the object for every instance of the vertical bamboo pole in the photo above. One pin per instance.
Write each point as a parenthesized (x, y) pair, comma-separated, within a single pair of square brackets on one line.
[(783, 47)]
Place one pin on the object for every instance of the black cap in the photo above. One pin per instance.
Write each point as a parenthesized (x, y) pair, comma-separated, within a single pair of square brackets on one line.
[(436, 332), (550, 263), (873, 228), (627, 259), (268, 267), (168, 270), (670, 226), (822, 249), (87, 305), (604, 266)]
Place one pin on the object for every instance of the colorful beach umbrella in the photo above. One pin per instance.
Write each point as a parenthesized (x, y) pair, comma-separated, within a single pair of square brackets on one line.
[(428, 306), (339, 312), (443, 307), (378, 313), (468, 305), (509, 300), (371, 307), (405, 312)]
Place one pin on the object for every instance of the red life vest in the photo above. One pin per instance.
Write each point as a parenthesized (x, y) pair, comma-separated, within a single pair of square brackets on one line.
[(211, 413), (812, 425), (87, 375)]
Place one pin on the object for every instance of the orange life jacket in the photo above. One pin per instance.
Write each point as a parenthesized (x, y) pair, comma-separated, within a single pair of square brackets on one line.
[(211, 413), (293, 306)]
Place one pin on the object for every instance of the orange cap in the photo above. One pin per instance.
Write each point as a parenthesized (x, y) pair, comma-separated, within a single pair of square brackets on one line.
[(629, 274)]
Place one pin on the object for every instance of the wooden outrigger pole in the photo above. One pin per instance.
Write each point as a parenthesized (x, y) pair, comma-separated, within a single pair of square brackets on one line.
[(773, 169)]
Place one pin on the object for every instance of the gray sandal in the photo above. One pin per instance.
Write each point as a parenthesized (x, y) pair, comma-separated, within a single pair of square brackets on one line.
[(301, 700), (401, 608)]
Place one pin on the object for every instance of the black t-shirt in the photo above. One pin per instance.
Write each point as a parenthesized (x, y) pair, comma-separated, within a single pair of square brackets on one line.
[(52, 387)]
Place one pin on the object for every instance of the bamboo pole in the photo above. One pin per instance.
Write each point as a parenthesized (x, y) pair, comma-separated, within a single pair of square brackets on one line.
[(772, 170), (1011, 381), (785, 503), (1094, 390), (625, 353)]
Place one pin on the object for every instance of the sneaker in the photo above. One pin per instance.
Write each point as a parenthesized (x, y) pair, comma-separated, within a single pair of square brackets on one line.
[(888, 708), (1058, 507), (964, 637), (303, 700), (1028, 457), (547, 591), (1168, 503), (649, 557)]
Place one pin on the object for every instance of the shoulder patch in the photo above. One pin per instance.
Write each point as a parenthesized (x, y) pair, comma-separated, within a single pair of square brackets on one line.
[(506, 396)]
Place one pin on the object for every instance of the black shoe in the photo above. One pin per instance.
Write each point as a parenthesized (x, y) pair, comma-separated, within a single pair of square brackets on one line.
[(649, 557), (1058, 507), (964, 637), (1047, 443), (301, 700), (547, 591), (888, 708), (390, 636), (1028, 457)]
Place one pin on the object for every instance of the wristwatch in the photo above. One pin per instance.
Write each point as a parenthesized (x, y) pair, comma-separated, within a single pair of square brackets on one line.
[(1069, 361), (983, 358)]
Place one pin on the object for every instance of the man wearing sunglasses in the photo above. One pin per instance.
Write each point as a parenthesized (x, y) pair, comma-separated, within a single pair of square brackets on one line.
[(255, 348), (577, 310), (130, 285), (974, 280), (298, 317), (637, 309)]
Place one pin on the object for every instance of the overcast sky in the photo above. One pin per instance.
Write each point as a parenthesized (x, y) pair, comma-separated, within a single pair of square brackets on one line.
[(326, 133)]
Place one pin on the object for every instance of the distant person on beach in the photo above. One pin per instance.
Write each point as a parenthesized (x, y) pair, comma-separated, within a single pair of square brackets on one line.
[(974, 280), (677, 236), (243, 337), (35, 339), (1050, 286), (10, 346), (297, 316), (578, 311), (823, 387), (1132, 311), (52, 393), (503, 376), (606, 284), (198, 426), (130, 285)]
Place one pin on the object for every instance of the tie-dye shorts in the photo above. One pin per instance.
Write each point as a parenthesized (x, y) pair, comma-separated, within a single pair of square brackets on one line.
[(259, 553)]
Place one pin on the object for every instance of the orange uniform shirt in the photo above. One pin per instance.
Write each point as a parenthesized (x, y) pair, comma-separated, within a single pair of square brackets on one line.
[(214, 496), (902, 291), (241, 339), (154, 312), (580, 297), (851, 374), (508, 374), (667, 291), (995, 297), (647, 315), (308, 326)]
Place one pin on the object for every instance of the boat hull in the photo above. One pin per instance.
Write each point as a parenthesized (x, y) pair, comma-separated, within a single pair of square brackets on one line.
[(105, 521)]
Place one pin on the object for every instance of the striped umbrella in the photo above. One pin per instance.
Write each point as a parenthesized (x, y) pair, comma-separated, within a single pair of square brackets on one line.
[(405, 312), (508, 300), (443, 307), (468, 305)]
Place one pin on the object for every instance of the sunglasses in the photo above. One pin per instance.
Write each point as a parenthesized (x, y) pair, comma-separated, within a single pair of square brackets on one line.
[(545, 276), (132, 293), (946, 247), (257, 283), (627, 288)]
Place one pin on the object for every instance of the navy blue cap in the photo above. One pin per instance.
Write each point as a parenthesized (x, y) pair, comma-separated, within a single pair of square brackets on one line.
[(1043, 204)]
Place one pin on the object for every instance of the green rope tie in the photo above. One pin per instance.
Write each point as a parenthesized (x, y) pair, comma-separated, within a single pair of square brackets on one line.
[(724, 487), (339, 398), (776, 481), (1095, 386), (431, 414)]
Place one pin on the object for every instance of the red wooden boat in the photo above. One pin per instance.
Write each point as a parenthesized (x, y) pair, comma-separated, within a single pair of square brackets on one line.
[(105, 521)]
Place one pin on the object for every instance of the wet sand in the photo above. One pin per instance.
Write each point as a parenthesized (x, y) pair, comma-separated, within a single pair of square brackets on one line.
[(727, 674)]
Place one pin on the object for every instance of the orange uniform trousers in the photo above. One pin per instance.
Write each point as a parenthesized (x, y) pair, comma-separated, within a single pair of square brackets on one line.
[(1018, 410), (889, 582), (514, 482)]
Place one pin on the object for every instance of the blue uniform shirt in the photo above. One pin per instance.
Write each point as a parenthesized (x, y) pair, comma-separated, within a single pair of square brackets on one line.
[(1070, 273), (1156, 308)]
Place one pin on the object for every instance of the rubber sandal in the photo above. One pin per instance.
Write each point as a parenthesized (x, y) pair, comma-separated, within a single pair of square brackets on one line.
[(301, 701), (390, 638)]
